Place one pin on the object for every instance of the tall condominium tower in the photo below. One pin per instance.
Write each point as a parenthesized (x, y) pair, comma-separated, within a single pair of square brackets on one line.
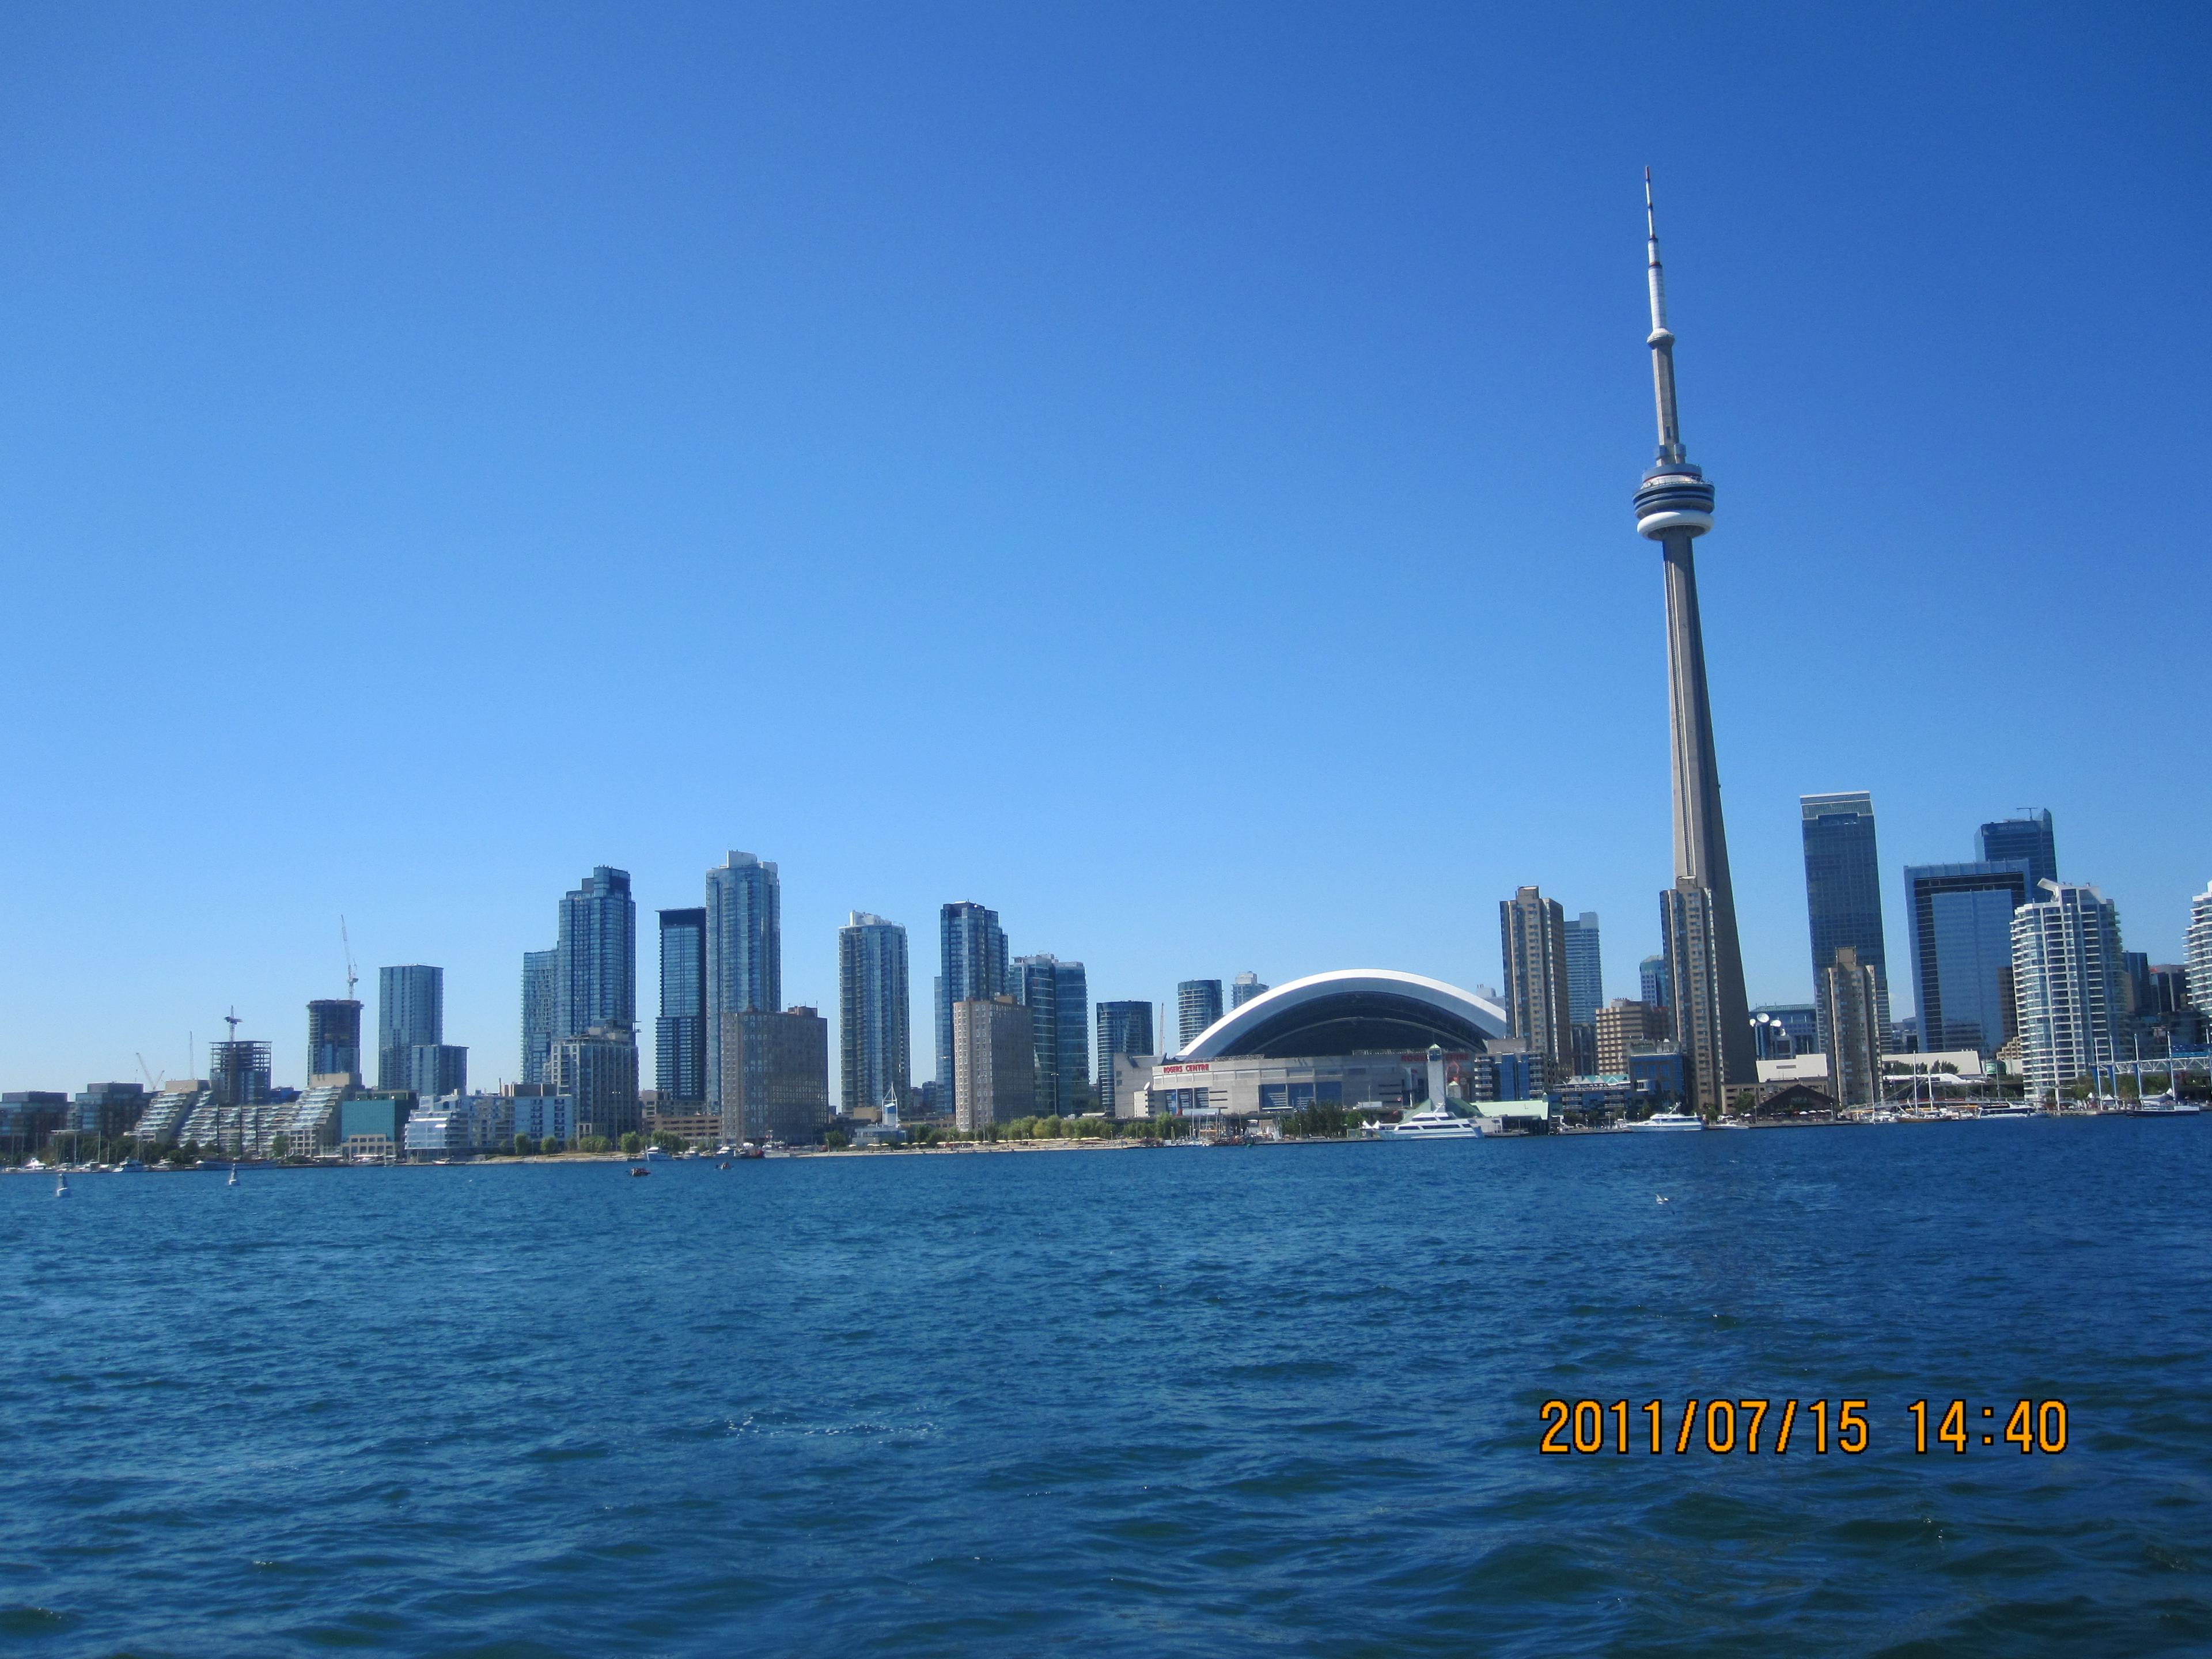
[(2029, 840), (1058, 997), (875, 1053), (1857, 1031), (1962, 917), (595, 976), (1673, 505), (1124, 1029), (993, 1063), (1843, 893), (679, 1033), (539, 969), (1244, 989), (1198, 1005), (334, 1038), (410, 1008), (1532, 941), (971, 967), (2067, 983), (1585, 974), (744, 949), (2199, 950)]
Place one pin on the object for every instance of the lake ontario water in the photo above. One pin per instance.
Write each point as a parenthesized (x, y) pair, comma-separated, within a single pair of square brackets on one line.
[(1277, 1401)]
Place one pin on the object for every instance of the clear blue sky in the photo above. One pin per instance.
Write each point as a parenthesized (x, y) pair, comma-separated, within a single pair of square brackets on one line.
[(1162, 472)]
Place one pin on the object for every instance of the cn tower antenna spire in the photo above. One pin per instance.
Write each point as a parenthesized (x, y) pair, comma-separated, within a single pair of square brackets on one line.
[(1661, 340)]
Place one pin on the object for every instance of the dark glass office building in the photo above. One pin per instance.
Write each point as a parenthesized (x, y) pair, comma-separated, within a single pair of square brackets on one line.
[(1058, 996), (1124, 1028), (410, 1010), (971, 967), (334, 1037), (1962, 950), (679, 1034), (2029, 840), (1843, 895)]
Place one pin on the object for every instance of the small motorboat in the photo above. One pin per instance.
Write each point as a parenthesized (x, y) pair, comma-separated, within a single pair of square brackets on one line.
[(724, 1165), (640, 1172)]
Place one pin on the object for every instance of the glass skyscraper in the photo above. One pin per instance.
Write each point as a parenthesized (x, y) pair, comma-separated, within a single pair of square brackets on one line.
[(595, 976), (744, 949), (1585, 972), (410, 1009), (1652, 975), (1842, 895), (875, 1051), (2029, 840), (1244, 989), (539, 969), (334, 1038), (1961, 918), (1124, 1028), (679, 1034), (1198, 1005), (971, 967), (1058, 996)]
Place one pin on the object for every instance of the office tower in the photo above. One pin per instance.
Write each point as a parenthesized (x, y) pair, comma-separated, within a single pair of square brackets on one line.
[(539, 969), (1799, 1021), (2199, 950), (875, 1053), (1620, 1025), (971, 967), (410, 1008), (1673, 506), (334, 1039), (1962, 917), (1244, 989), (775, 1075), (436, 1068), (1843, 892), (2029, 840), (1585, 975), (679, 1031), (2066, 983), (1689, 933), (595, 979), (745, 949), (993, 1063), (238, 1071), (1652, 975), (596, 1069), (1124, 1029), (1198, 1005), (1857, 1036), (1532, 941), (1058, 997)]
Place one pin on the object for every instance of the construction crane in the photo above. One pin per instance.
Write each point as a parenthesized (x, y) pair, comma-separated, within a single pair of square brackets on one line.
[(150, 1082), (352, 978), (232, 1020)]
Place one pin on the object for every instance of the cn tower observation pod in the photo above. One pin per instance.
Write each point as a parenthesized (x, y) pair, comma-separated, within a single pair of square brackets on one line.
[(1349, 1012)]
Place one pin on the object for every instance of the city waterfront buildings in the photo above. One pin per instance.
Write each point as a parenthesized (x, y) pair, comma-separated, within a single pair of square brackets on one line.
[(238, 1071), (1843, 893), (539, 970), (971, 967), (1198, 1005), (994, 1062), (775, 1075), (1125, 1031), (1961, 918), (1532, 941), (2068, 985), (2029, 839), (1058, 996), (410, 1008), (679, 1031), (1674, 505), (1858, 1035), (1585, 970), (875, 1052), (745, 949), (334, 1039)]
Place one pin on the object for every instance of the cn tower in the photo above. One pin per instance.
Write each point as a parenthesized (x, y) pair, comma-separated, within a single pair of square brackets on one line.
[(1673, 506)]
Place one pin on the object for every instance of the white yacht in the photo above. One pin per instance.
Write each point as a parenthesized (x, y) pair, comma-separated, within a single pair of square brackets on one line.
[(2167, 1106), (1430, 1123), (1664, 1121)]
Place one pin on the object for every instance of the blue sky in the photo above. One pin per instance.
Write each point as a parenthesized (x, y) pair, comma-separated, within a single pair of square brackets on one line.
[(1162, 472)]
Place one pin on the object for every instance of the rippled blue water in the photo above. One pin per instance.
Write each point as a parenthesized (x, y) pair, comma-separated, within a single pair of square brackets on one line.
[(1280, 1400)]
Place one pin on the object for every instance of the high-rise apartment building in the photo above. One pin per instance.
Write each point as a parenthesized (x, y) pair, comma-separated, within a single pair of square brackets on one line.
[(596, 1069), (2029, 840), (745, 949), (2199, 950), (875, 1051), (971, 967), (1621, 1025), (435, 1069), (775, 1075), (334, 1039), (2067, 984), (1058, 996), (1961, 916), (994, 1062), (539, 970), (1533, 942), (1244, 989), (410, 1009), (1585, 972), (1843, 892), (1125, 1028), (595, 978), (1856, 1037), (1687, 931), (679, 1030), (1198, 1005)]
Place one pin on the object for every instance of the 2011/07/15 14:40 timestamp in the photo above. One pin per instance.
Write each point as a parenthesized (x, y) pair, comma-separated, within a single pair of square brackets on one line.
[(1581, 1426)]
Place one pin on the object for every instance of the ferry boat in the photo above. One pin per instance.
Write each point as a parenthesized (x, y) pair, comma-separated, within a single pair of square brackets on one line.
[(2167, 1106), (1664, 1121), (1432, 1122), (2008, 1111)]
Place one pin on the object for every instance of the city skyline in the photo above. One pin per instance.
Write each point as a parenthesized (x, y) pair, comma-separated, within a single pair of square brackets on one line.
[(933, 402)]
